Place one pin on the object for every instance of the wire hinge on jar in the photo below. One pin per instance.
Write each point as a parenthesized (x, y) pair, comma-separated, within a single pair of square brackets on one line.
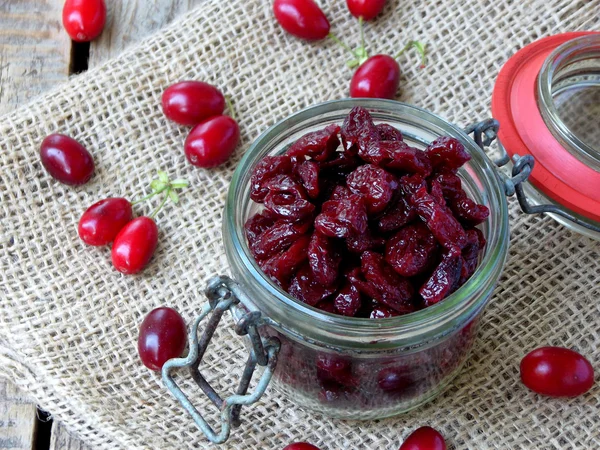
[(486, 132), (224, 295)]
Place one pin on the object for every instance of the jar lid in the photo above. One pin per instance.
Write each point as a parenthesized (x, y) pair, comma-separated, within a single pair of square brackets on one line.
[(558, 173)]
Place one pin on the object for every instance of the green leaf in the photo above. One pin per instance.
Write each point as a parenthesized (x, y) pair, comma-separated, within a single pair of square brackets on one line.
[(162, 176), (179, 183), (157, 185), (352, 63), (173, 196)]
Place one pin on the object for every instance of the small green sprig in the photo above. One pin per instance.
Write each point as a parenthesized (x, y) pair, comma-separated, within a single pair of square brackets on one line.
[(163, 185)]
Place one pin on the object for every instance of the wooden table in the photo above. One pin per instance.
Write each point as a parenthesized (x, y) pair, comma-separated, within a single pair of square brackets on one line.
[(35, 55)]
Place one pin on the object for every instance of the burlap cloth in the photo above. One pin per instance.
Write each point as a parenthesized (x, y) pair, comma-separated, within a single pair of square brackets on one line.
[(69, 321)]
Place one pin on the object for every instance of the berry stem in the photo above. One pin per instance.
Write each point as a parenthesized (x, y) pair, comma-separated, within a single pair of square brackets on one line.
[(166, 197), (341, 44), (230, 107), (147, 197), (421, 49), (362, 33)]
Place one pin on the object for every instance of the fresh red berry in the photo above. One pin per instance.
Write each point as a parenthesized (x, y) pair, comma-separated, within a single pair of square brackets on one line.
[(301, 18), (84, 19), (377, 77), (163, 336), (101, 222), (211, 143), (134, 245), (424, 438), (367, 9), (557, 372), (191, 102), (301, 446), (66, 159)]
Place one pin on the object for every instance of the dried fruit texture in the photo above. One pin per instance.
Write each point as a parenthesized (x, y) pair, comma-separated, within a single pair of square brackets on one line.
[(282, 266), (444, 279), (318, 145), (412, 250), (331, 368), (392, 289), (306, 288), (277, 238), (324, 259), (376, 186), (388, 133), (447, 154), (347, 301), (355, 230), (308, 172), (439, 220), (267, 168), (342, 218), (287, 200)]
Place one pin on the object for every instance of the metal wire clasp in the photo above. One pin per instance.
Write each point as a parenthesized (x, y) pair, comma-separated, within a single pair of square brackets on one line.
[(223, 295), (486, 132)]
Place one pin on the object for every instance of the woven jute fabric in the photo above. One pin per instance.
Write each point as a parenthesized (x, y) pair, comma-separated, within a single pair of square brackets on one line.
[(69, 321)]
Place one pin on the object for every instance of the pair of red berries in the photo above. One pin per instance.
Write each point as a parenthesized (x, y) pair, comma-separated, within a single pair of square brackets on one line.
[(134, 240), (214, 136), (377, 76), (424, 438)]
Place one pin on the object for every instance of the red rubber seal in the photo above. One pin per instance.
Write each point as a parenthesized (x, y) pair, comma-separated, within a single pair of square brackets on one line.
[(557, 173)]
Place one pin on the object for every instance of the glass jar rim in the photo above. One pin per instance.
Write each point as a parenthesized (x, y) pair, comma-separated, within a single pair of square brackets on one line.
[(456, 306), (574, 50)]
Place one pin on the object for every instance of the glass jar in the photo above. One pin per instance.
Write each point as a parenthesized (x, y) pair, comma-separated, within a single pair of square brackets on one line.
[(358, 368)]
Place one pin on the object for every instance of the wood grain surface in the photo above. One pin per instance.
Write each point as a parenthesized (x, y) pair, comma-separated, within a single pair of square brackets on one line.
[(35, 55)]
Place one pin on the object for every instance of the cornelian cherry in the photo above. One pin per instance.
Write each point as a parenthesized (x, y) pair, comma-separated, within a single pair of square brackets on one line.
[(557, 372), (66, 160), (424, 438), (211, 143), (377, 77), (163, 336), (301, 18), (84, 19), (191, 102), (134, 245), (301, 446), (367, 9), (101, 222)]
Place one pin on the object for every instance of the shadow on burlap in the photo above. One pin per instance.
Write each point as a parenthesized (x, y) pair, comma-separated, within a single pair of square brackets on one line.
[(68, 323)]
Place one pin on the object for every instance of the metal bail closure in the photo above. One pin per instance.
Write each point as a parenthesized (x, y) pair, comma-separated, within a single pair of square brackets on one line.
[(224, 295)]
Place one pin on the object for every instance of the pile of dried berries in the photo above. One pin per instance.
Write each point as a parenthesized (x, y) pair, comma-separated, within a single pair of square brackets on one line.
[(374, 229)]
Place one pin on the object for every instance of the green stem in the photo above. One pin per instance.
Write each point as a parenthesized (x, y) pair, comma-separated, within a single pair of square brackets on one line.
[(421, 49), (362, 32), (341, 44), (230, 107), (161, 204), (143, 199)]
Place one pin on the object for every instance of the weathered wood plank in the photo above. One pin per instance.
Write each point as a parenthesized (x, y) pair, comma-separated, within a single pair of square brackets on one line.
[(129, 21), (17, 419), (34, 49), (62, 440)]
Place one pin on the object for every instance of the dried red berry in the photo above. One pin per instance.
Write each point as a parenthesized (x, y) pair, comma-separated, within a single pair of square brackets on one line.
[(277, 238), (318, 145), (388, 133), (468, 211), (374, 184), (444, 278), (397, 215), (392, 289), (308, 172), (358, 126), (447, 153), (287, 199), (306, 288), (439, 220), (412, 250), (282, 266), (324, 259), (342, 218), (347, 301), (381, 312), (267, 168), (335, 368), (362, 242)]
